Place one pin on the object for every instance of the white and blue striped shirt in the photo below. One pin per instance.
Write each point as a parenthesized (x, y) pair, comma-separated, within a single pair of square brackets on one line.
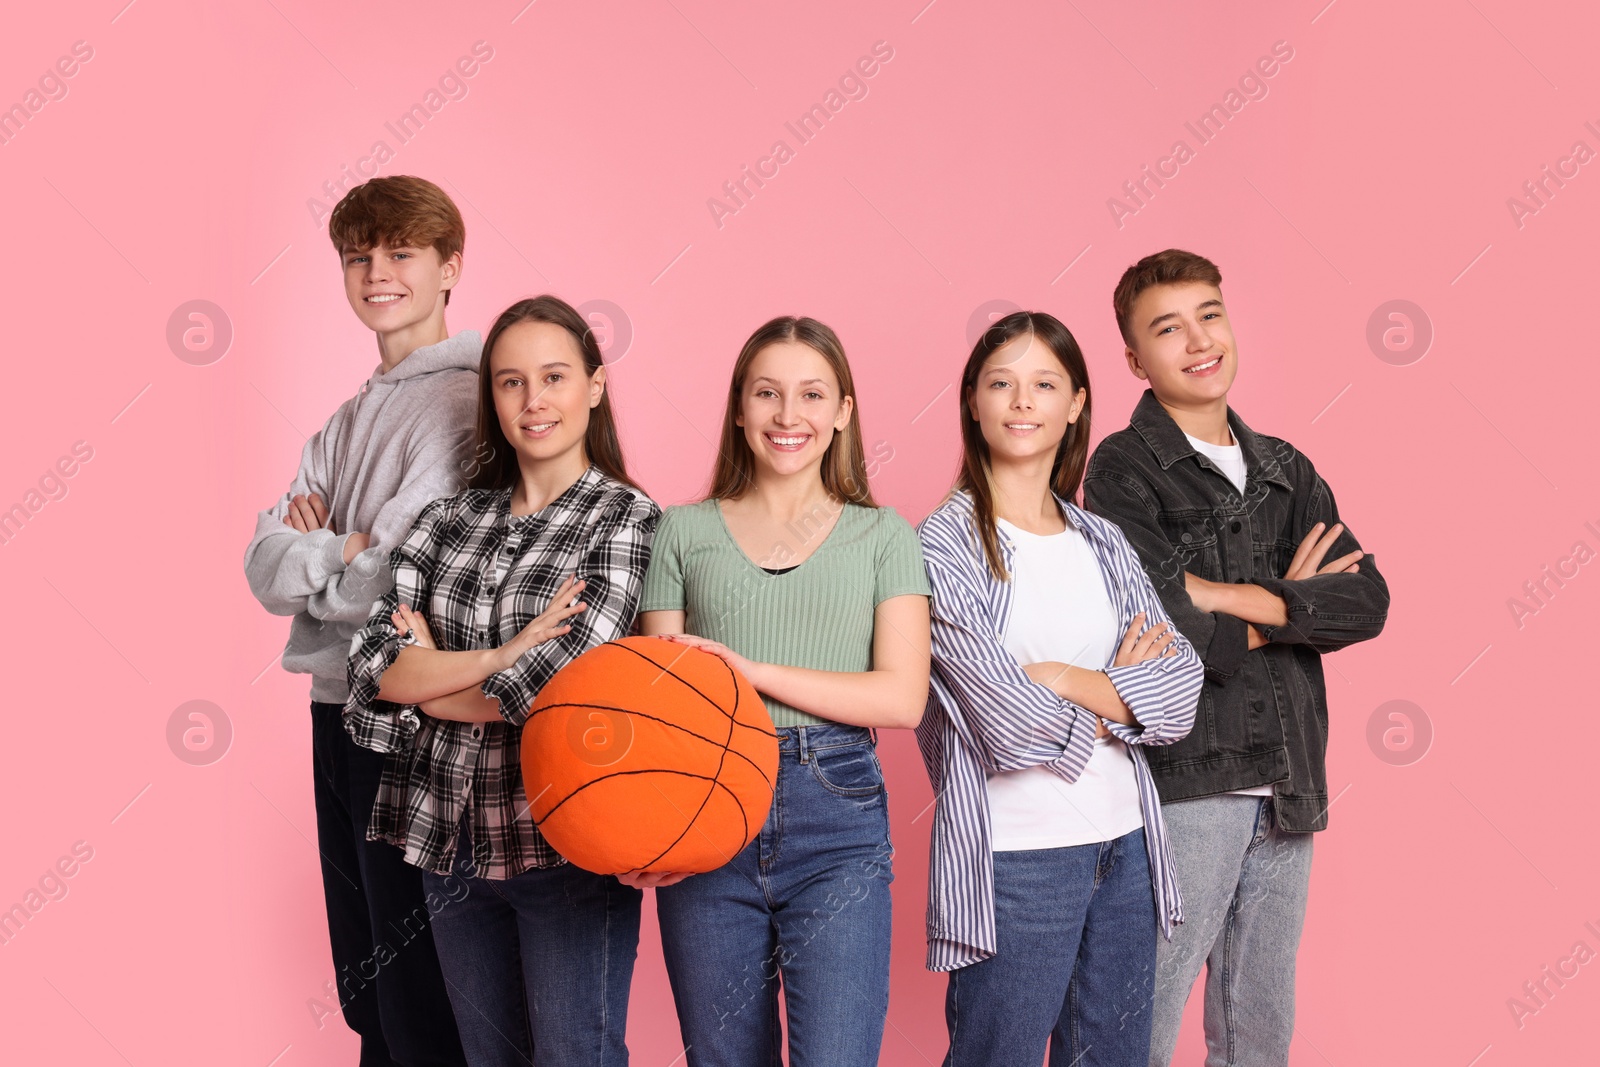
[(985, 715)]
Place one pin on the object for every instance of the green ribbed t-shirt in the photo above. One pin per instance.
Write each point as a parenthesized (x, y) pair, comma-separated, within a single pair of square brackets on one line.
[(818, 615)]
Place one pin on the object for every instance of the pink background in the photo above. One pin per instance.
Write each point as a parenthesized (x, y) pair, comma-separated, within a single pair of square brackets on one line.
[(978, 167)]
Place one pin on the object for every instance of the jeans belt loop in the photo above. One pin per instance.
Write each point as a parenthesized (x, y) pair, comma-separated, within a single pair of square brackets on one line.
[(803, 741)]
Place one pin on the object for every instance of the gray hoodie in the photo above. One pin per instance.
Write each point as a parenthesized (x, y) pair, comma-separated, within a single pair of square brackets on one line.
[(401, 442)]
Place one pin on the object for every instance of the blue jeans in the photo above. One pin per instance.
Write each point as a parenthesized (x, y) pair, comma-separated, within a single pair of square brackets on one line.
[(805, 904), (1244, 887), (538, 964), (1075, 966)]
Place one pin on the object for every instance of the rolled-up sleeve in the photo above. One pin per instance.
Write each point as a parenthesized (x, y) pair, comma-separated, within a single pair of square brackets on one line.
[(1162, 692), (372, 722), (1329, 611), (613, 566)]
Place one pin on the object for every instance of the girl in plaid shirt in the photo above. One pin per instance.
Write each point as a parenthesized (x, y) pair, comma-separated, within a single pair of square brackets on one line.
[(496, 589)]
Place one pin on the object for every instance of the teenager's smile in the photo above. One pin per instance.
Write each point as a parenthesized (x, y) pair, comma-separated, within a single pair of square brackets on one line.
[(383, 299), (1019, 428), (1205, 368), (538, 430), (786, 442)]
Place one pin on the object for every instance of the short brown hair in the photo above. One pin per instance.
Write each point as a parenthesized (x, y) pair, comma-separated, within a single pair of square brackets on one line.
[(1172, 267), (398, 210), (844, 464)]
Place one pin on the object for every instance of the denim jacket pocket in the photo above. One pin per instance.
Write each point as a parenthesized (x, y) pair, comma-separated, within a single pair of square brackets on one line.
[(1271, 555), (1194, 539)]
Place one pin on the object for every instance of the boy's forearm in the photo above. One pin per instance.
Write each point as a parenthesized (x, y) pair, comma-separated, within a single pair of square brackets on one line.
[(1242, 600), (1328, 612), (286, 569), (348, 594)]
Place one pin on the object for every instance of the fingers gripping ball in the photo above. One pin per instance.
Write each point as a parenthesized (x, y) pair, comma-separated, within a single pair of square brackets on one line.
[(645, 755)]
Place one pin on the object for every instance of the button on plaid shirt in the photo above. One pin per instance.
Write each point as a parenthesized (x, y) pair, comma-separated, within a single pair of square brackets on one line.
[(478, 575)]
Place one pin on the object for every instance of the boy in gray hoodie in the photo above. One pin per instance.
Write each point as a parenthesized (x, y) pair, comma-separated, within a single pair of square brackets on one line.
[(321, 555)]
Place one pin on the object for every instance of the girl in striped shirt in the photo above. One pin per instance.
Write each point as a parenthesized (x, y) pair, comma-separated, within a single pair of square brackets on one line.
[(1053, 664), (792, 574)]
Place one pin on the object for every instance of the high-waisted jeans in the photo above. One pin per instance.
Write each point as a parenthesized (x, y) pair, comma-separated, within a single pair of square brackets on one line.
[(806, 904)]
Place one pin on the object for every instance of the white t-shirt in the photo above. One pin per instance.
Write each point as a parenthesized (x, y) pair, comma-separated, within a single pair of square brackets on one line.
[(1061, 612), (1231, 459)]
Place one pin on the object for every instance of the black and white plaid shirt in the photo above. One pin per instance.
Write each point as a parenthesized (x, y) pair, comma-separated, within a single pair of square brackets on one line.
[(479, 575)]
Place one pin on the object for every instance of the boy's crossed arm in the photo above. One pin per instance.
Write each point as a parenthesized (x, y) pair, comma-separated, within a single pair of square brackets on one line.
[(1326, 605), (296, 563), (307, 513), (1259, 606)]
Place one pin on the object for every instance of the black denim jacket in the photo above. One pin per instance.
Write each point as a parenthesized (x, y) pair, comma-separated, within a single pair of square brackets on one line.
[(1263, 715)]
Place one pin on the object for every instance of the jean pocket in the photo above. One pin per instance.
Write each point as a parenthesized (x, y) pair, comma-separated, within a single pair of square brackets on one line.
[(849, 771)]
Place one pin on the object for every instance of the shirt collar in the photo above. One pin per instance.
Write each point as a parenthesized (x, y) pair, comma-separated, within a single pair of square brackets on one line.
[(963, 500), (569, 498), (1169, 443)]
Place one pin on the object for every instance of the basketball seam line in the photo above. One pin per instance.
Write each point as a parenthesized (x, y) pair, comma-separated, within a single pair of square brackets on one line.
[(667, 670), (733, 718), (715, 785), (655, 718)]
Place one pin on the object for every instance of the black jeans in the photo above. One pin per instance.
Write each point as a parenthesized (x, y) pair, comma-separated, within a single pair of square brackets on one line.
[(390, 988)]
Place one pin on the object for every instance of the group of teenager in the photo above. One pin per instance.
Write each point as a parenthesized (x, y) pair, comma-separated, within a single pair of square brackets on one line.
[(1120, 704)]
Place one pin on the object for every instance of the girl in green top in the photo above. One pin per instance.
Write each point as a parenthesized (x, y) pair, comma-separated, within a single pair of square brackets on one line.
[(791, 573)]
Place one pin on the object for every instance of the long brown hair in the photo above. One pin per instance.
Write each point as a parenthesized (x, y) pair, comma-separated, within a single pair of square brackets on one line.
[(1066, 472), (494, 463), (844, 464)]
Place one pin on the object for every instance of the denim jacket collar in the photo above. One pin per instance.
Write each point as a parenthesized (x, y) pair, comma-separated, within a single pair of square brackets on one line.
[(1167, 440)]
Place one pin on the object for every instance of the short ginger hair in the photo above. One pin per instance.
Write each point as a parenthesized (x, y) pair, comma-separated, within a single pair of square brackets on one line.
[(395, 211)]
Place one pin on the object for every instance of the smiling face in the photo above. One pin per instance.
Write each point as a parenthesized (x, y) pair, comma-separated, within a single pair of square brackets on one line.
[(542, 392), (392, 289), (1023, 401), (1182, 344), (790, 408)]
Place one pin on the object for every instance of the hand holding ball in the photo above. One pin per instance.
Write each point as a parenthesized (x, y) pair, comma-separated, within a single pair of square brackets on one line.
[(645, 755)]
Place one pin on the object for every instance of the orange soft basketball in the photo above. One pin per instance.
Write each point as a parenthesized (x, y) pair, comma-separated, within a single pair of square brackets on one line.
[(645, 755)]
